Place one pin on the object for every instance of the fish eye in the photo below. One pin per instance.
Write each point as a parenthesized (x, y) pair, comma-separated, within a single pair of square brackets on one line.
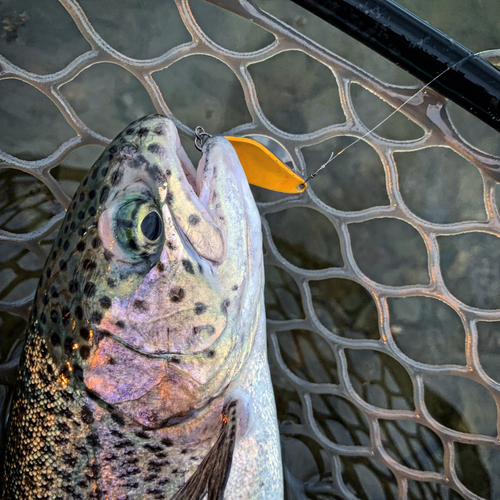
[(151, 226), (138, 228)]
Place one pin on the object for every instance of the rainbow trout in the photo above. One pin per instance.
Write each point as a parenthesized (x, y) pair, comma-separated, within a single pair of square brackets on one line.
[(144, 374)]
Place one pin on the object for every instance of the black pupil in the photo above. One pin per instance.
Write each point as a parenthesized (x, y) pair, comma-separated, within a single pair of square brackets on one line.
[(151, 226)]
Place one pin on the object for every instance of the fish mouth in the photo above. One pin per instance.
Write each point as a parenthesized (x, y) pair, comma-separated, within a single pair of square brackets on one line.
[(172, 356)]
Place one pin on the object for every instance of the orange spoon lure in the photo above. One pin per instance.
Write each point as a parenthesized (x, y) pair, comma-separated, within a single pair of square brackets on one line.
[(262, 168)]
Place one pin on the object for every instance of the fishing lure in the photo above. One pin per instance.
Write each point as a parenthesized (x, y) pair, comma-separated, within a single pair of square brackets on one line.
[(144, 373), (262, 168)]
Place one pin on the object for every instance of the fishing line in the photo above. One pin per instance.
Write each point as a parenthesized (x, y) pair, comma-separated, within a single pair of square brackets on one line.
[(335, 155)]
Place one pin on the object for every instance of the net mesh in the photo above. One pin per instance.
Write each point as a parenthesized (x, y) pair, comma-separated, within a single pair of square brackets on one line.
[(382, 329)]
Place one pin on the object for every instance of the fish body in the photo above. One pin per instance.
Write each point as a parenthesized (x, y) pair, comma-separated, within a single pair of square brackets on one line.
[(144, 373)]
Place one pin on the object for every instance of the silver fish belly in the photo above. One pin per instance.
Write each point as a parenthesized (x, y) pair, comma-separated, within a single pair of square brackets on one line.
[(145, 371)]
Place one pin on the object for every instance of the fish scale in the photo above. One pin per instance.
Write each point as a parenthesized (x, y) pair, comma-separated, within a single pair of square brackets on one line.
[(75, 435)]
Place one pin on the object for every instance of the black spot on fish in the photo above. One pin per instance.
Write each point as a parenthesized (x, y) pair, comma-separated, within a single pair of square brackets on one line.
[(120, 324), (225, 304), (200, 308), (53, 316), (43, 318), (108, 255), (84, 351), (155, 172), (118, 418), (92, 211), (131, 484), (72, 227), (154, 447), (93, 440), (116, 177), (73, 286), (235, 287), (142, 132), (155, 491), (79, 312), (63, 265), (160, 266), (188, 266), (66, 246), (210, 354), (155, 149), (132, 244), (87, 415), (170, 245), (85, 333), (95, 317), (45, 298), (77, 370), (167, 442), (54, 255), (81, 197), (82, 231), (89, 289), (55, 339), (123, 444), (65, 315), (81, 215), (92, 194), (176, 294), (68, 345), (104, 194), (53, 292), (194, 220), (48, 272), (96, 242), (142, 435), (99, 334), (94, 174), (89, 265), (105, 302), (140, 305), (139, 161), (169, 198), (175, 360), (80, 246)]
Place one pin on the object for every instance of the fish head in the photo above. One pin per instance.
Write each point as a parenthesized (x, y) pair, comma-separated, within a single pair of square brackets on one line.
[(164, 279)]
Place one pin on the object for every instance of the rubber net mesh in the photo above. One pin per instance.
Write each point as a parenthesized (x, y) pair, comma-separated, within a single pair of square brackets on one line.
[(382, 278)]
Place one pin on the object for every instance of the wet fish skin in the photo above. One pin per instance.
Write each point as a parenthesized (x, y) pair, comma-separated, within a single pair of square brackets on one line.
[(144, 355)]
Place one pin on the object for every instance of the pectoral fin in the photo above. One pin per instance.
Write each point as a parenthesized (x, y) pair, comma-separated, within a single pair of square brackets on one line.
[(210, 478)]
